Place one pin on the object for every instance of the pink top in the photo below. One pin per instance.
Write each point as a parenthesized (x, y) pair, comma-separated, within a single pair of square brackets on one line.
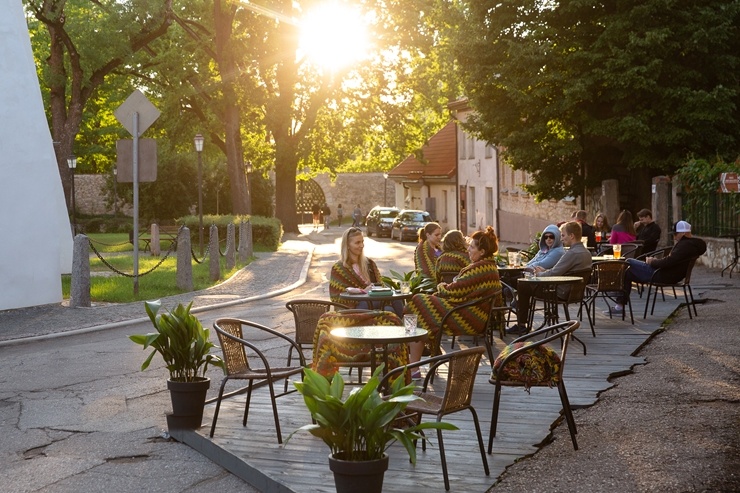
[(621, 237)]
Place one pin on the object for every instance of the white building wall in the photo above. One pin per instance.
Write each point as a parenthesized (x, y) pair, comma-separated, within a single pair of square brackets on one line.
[(36, 246)]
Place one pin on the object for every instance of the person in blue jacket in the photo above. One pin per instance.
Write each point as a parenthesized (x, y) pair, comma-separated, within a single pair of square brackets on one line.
[(551, 249)]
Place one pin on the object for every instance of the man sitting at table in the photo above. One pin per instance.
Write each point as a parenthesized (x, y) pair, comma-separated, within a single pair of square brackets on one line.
[(672, 268), (576, 258), (648, 231)]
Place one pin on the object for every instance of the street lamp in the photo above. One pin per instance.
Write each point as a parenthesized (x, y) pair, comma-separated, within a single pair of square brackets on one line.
[(115, 191), (385, 189), (248, 171), (72, 163), (199, 149)]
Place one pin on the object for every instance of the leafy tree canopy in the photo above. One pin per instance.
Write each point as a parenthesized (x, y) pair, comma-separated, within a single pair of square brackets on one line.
[(576, 90)]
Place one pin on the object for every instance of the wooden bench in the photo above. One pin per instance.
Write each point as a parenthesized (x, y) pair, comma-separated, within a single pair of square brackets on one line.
[(165, 233)]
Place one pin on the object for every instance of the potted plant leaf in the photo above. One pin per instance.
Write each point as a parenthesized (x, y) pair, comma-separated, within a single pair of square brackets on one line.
[(360, 428), (418, 282), (185, 347)]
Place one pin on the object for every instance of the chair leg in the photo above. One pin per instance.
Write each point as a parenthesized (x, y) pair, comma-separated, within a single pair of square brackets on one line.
[(275, 412), (480, 441), (647, 299), (246, 405), (693, 302), (218, 405), (442, 455), (494, 416), (568, 414), (688, 304)]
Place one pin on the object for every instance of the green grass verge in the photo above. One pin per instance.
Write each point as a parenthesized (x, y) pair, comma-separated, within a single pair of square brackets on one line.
[(157, 284)]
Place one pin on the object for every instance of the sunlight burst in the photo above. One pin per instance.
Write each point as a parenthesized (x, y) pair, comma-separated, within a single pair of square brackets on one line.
[(334, 35)]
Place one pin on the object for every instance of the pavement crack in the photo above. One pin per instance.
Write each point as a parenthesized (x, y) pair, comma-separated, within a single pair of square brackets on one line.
[(127, 459)]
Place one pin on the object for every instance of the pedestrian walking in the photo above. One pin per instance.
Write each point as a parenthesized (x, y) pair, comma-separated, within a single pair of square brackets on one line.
[(326, 212), (340, 213), (356, 216), (316, 214)]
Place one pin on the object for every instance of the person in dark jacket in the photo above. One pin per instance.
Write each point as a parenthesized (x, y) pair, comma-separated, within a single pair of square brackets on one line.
[(672, 268), (587, 231), (648, 231)]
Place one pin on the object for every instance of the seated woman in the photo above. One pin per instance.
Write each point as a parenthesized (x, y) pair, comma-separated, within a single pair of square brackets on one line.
[(624, 229), (477, 280), (601, 225), (354, 270), (551, 249), (428, 249), (454, 256)]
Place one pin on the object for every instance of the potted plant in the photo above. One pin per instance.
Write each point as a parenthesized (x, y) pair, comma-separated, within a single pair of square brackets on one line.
[(360, 428), (185, 347), (418, 282)]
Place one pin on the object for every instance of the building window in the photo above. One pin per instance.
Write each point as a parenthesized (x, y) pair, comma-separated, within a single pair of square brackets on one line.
[(471, 147), (489, 151), (489, 205), (472, 210), (462, 145), (444, 205)]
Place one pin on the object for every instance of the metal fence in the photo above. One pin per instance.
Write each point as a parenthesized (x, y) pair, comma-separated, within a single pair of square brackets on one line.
[(719, 217)]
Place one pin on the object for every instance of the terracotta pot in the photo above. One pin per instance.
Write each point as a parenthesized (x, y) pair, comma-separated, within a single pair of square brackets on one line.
[(188, 399), (358, 476)]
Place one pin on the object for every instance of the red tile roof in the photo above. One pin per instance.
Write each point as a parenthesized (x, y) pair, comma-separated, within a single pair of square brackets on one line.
[(438, 158)]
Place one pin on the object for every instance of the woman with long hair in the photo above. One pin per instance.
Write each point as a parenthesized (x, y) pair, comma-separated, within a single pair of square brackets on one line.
[(428, 249), (352, 269), (623, 230), (454, 256), (601, 224), (477, 280)]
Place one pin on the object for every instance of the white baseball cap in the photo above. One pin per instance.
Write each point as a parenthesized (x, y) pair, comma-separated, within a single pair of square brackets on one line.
[(682, 227)]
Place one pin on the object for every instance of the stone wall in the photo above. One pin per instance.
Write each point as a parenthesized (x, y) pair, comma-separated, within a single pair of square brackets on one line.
[(350, 189), (90, 198)]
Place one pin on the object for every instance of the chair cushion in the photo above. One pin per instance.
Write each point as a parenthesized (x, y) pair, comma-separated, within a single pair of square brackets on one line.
[(539, 366)]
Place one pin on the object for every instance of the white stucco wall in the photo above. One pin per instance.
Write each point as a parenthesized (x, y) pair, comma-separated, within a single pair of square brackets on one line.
[(36, 241)]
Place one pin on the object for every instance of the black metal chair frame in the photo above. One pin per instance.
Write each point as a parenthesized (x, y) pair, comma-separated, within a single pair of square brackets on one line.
[(487, 330), (564, 332), (603, 288), (241, 370), (437, 404), (684, 283)]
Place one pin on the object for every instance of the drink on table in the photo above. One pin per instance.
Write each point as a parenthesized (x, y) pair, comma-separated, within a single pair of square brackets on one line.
[(617, 251)]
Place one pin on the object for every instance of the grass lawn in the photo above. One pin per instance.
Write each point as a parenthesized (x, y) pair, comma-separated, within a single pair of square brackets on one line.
[(116, 288)]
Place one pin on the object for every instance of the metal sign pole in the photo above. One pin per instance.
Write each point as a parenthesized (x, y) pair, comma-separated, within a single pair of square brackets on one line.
[(136, 201)]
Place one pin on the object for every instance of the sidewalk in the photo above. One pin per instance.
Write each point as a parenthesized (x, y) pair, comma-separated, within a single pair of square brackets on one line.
[(273, 273)]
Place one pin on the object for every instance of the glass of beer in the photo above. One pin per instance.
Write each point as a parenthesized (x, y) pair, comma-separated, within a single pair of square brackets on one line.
[(598, 236), (617, 251)]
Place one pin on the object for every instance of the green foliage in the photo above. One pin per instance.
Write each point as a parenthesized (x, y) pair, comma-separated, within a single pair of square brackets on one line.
[(578, 91), (700, 179), (418, 282), (266, 231), (181, 340), (361, 426)]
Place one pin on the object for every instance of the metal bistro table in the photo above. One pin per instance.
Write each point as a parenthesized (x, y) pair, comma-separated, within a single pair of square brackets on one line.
[(375, 301), (510, 274), (378, 337)]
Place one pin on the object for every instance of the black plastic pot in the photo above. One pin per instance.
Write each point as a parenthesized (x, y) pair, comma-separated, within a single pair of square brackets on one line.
[(188, 399), (358, 476)]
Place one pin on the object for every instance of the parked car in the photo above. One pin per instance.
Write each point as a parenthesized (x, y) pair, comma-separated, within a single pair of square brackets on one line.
[(379, 220), (407, 224)]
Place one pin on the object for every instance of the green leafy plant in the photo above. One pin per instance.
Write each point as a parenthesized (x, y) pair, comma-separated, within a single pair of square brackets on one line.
[(181, 340), (361, 427), (418, 282)]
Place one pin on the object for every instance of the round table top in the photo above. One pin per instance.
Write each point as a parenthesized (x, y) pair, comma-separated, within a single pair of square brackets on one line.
[(552, 279), (393, 295), (378, 334)]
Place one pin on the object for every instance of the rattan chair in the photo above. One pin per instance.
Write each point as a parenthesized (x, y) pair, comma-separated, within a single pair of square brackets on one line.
[(457, 395), (306, 315), (517, 366), (609, 283), (236, 352), (684, 283)]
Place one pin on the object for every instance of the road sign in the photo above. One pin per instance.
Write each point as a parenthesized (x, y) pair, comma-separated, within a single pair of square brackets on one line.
[(137, 103), (147, 160), (728, 183)]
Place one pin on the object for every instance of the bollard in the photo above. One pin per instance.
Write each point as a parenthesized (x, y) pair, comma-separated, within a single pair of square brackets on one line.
[(230, 250), (214, 255), (79, 294), (184, 261)]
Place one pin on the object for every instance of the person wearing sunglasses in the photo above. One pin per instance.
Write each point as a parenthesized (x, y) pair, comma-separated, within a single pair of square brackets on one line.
[(551, 249)]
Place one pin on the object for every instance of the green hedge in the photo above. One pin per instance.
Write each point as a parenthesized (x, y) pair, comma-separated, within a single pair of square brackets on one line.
[(266, 231)]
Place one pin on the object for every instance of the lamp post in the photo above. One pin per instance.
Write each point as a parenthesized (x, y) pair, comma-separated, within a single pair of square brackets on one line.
[(248, 172), (115, 191), (385, 189), (72, 163), (199, 149)]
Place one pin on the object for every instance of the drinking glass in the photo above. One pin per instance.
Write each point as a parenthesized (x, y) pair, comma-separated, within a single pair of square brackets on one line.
[(584, 240), (617, 251), (598, 236), (405, 287), (512, 259), (409, 322)]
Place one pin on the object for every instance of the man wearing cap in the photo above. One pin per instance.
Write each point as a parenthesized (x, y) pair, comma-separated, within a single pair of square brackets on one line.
[(673, 267)]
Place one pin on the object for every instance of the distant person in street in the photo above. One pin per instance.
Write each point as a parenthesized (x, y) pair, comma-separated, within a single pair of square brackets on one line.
[(340, 214), (316, 213), (648, 231), (326, 212), (672, 268), (357, 217)]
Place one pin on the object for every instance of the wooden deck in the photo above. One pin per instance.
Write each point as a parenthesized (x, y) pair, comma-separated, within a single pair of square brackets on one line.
[(525, 420)]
